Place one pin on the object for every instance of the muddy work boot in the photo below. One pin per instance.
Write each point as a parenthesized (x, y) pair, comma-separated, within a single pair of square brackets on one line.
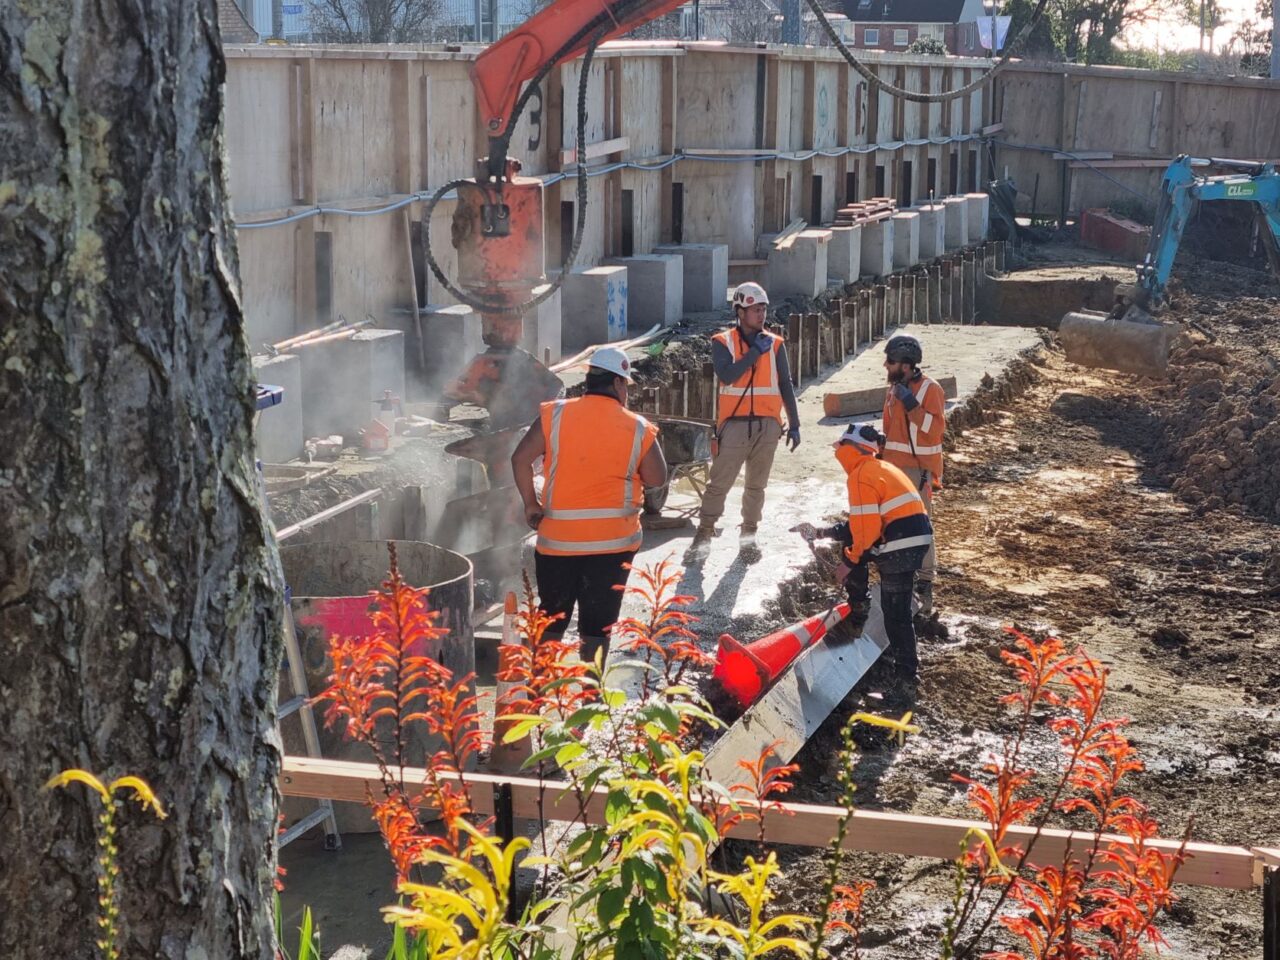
[(701, 545), (924, 596)]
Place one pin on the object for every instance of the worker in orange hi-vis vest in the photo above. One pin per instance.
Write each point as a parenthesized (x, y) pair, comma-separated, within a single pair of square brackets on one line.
[(755, 388), (597, 458), (914, 421), (888, 526)]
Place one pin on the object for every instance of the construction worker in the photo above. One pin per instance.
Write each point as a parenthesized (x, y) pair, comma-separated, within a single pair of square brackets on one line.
[(754, 387), (888, 526), (914, 421), (597, 458)]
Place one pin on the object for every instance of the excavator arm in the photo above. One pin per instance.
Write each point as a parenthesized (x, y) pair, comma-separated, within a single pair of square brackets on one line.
[(498, 221), (1130, 339)]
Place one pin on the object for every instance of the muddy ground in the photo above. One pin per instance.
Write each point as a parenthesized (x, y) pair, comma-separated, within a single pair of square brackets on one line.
[(1137, 519)]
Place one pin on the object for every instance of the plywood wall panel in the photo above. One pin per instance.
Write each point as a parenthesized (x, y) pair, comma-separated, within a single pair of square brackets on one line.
[(259, 122)]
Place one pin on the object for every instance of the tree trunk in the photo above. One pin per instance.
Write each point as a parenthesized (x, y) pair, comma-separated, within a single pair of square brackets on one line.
[(139, 586)]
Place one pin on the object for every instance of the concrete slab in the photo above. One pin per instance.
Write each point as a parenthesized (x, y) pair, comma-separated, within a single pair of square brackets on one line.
[(341, 381), (593, 307), (543, 328), (706, 273), (906, 240), (655, 289), (877, 248), (451, 336), (800, 268), (279, 429), (844, 254), (957, 234), (933, 230), (979, 216)]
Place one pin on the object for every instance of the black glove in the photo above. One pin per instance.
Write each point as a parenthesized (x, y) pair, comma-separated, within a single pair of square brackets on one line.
[(763, 343), (806, 530), (793, 436), (904, 394)]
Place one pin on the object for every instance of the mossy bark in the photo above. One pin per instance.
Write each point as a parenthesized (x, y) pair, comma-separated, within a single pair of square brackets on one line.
[(140, 592)]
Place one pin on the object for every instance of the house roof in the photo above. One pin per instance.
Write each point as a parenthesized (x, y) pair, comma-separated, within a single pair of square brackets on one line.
[(904, 11)]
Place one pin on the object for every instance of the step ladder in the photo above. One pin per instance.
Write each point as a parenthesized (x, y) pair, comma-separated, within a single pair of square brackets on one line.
[(300, 703), (268, 396)]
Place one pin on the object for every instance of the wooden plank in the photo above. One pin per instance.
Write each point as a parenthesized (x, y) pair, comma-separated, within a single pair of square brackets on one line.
[(871, 399), (992, 128), (1085, 155), (799, 824), (795, 347), (593, 150), (792, 230)]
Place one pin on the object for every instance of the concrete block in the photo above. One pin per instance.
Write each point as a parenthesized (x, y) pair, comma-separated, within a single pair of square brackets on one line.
[(957, 234), (844, 254), (979, 216), (655, 289), (279, 430), (543, 328), (1114, 234), (800, 268), (933, 230), (593, 307), (877, 248), (342, 380), (906, 240), (450, 338), (706, 274)]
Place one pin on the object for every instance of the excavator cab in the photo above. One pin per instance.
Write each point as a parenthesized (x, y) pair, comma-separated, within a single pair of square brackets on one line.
[(1130, 339)]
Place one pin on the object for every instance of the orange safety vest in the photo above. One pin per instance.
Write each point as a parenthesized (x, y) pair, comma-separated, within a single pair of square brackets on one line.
[(914, 440), (756, 392), (591, 492), (886, 512)]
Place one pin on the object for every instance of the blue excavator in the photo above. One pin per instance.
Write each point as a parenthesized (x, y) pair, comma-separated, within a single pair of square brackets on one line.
[(1130, 339)]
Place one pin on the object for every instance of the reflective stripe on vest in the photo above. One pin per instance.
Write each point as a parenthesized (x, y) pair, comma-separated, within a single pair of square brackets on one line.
[(625, 510), (765, 394), (923, 540)]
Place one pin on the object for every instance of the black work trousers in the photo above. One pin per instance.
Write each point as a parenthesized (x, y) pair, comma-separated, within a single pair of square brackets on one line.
[(897, 581), (589, 581)]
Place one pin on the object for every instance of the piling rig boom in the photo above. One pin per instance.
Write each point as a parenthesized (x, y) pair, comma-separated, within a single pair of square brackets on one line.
[(498, 221), (1130, 339)]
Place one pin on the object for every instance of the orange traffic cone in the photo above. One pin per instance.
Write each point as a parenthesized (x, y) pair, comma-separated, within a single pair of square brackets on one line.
[(745, 670)]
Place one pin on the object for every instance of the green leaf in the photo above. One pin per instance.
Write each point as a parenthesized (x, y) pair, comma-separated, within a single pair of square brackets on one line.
[(613, 698), (584, 715), (568, 753), (307, 950), (609, 905), (616, 806), (522, 729)]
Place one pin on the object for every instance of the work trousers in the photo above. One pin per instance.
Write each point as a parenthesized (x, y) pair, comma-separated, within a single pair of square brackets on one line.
[(751, 441), (589, 581), (924, 483), (897, 580)]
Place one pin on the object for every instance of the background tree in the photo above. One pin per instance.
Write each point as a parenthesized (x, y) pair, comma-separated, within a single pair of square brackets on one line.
[(374, 21), (928, 46), (139, 587)]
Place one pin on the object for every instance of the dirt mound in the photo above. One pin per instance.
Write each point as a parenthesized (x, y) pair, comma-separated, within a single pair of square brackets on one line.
[(1221, 405)]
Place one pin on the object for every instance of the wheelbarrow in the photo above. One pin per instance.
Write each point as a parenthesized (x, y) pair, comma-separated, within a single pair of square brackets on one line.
[(686, 445)]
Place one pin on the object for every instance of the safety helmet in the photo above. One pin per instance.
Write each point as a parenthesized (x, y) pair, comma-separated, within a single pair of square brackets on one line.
[(613, 360), (749, 294), (904, 348), (862, 435)]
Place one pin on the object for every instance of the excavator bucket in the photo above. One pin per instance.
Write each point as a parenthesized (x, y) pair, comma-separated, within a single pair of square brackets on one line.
[(1140, 347)]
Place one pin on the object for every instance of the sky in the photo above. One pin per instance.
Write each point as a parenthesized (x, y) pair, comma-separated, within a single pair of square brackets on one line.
[(1173, 35)]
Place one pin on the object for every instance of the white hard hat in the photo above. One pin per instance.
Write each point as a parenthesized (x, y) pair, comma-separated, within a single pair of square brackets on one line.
[(748, 294), (862, 435), (613, 360)]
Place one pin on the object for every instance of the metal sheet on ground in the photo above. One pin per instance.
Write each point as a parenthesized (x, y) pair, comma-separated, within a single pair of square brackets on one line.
[(794, 707)]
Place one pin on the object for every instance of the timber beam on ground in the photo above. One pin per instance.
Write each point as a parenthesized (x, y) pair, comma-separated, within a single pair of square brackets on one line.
[(796, 824)]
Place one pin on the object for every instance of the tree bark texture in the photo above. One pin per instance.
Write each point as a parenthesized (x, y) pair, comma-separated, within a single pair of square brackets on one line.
[(140, 592)]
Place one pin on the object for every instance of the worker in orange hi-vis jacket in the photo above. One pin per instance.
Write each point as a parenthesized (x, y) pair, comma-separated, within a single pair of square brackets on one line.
[(914, 421), (888, 526), (597, 458)]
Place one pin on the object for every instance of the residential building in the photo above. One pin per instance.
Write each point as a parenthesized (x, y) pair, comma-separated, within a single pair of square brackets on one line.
[(894, 24)]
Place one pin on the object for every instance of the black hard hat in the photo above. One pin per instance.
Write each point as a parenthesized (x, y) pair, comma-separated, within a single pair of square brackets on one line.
[(904, 348)]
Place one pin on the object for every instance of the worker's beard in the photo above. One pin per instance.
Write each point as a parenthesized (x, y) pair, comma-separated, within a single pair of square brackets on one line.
[(896, 376)]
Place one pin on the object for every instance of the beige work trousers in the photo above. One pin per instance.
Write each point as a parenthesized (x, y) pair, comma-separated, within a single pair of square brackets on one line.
[(930, 568), (750, 442)]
